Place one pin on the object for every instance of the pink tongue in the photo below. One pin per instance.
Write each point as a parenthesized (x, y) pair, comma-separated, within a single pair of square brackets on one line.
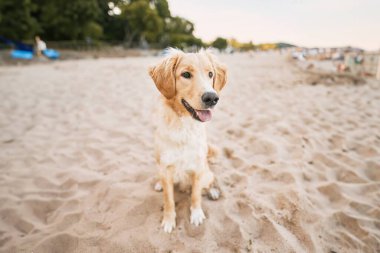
[(204, 115)]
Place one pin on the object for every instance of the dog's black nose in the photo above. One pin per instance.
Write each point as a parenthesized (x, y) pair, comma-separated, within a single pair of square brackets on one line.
[(210, 98)]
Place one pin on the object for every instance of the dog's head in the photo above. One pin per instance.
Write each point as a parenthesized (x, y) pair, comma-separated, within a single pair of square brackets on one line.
[(191, 82)]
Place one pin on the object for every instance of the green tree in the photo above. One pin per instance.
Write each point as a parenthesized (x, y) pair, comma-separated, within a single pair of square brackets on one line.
[(69, 20), (134, 21), (248, 46), (162, 7), (179, 33), (113, 25), (141, 22), (220, 43), (16, 20)]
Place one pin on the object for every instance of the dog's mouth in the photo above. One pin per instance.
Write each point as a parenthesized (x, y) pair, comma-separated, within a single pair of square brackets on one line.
[(201, 115)]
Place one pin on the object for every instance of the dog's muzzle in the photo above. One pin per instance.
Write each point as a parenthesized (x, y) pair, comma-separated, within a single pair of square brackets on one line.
[(201, 115)]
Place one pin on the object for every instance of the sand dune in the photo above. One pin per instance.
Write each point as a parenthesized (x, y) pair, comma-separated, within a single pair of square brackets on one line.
[(298, 164)]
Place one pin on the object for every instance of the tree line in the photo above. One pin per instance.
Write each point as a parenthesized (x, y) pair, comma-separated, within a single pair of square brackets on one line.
[(135, 22)]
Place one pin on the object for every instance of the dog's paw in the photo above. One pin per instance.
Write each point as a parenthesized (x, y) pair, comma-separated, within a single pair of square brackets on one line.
[(197, 216), (168, 225), (158, 187), (213, 193)]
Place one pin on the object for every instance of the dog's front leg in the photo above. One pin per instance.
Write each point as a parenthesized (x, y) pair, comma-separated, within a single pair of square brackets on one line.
[(197, 215), (168, 221)]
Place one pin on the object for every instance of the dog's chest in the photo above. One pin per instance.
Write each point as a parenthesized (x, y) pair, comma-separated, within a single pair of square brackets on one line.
[(183, 146)]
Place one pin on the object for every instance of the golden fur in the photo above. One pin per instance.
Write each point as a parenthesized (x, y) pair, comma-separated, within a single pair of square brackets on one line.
[(181, 148)]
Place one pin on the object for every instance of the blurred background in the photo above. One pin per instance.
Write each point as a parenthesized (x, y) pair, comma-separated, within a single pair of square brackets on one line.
[(85, 25), (341, 31), (96, 24), (296, 129)]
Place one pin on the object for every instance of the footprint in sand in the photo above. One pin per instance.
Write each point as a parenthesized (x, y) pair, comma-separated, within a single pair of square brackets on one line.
[(266, 234), (333, 193), (68, 220), (13, 218), (319, 158), (234, 241), (238, 133), (59, 243), (371, 170), (141, 211), (235, 180), (43, 209), (259, 146), (4, 239), (349, 224), (285, 177), (349, 161), (337, 142), (366, 151), (349, 176), (43, 183), (235, 161), (364, 208)]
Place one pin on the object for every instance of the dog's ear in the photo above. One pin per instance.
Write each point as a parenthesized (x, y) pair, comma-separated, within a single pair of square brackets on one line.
[(220, 79), (163, 75)]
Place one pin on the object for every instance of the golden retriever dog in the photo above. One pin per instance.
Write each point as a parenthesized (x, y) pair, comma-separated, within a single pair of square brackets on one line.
[(189, 84)]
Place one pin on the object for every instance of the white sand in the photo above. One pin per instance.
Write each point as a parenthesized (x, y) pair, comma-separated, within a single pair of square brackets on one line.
[(299, 165)]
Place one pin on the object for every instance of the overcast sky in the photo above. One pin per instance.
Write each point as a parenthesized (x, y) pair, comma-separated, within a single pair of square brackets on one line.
[(325, 23)]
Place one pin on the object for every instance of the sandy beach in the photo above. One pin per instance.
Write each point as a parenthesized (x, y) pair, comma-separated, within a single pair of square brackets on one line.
[(298, 163)]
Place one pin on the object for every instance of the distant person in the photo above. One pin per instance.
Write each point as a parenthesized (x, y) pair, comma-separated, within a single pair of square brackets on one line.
[(40, 46)]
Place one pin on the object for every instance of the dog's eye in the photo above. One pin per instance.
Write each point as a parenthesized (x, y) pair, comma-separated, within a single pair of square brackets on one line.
[(210, 74), (186, 75)]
